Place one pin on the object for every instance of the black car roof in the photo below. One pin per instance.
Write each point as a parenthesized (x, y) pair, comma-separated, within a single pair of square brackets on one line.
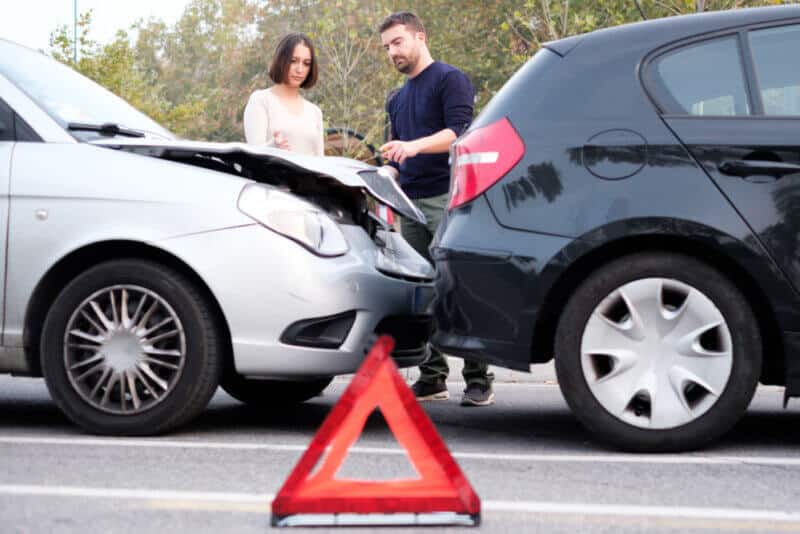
[(665, 30)]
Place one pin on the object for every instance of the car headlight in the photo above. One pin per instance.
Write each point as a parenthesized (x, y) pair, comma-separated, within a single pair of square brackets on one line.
[(294, 218)]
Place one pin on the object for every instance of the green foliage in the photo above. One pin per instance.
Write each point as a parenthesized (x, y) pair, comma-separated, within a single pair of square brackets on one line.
[(115, 67), (533, 22), (195, 76)]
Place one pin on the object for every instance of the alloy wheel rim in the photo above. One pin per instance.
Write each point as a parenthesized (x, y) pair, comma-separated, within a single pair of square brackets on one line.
[(124, 349), (656, 353)]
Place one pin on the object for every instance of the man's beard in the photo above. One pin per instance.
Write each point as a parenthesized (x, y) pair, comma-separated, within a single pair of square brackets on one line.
[(407, 67)]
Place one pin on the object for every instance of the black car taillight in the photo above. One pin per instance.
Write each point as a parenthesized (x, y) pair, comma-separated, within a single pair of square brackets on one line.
[(482, 157)]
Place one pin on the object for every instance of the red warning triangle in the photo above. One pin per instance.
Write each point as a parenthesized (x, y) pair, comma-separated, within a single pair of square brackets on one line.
[(441, 486)]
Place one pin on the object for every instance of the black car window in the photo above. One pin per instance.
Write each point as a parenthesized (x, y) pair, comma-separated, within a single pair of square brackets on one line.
[(704, 79), (6, 122), (777, 64)]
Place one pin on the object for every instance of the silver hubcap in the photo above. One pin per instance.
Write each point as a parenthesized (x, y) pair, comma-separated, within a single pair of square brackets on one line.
[(124, 349), (656, 353)]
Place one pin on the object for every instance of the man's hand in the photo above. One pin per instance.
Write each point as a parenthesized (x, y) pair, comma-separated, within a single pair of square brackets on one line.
[(399, 151)]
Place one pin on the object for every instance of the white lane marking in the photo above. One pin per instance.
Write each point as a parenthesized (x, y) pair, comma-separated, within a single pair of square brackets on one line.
[(182, 498), (553, 458), (137, 494), (742, 514), (150, 442)]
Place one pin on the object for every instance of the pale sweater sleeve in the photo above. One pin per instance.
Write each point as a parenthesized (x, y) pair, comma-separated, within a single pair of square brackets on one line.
[(256, 121), (320, 134)]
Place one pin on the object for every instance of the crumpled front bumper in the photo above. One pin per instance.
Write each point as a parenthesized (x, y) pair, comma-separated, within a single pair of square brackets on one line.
[(265, 284)]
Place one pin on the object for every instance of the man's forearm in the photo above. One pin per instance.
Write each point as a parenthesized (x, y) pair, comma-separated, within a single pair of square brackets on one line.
[(436, 143)]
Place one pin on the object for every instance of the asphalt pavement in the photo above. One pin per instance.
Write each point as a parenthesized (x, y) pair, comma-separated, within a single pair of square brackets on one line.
[(534, 467)]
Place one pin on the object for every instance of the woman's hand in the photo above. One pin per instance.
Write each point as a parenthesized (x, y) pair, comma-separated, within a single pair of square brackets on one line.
[(280, 141)]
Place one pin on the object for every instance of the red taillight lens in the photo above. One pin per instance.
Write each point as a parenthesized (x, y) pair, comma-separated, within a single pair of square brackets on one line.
[(481, 158)]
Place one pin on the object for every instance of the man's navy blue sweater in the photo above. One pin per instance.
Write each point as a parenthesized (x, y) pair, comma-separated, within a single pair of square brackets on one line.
[(439, 97)]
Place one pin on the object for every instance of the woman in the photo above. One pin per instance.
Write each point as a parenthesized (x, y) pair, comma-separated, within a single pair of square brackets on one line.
[(280, 116)]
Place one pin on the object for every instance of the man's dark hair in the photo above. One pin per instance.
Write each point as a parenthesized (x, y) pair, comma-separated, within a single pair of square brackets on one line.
[(410, 20), (279, 68)]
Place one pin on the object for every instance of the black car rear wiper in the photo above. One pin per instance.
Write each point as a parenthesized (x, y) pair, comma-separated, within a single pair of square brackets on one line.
[(107, 128)]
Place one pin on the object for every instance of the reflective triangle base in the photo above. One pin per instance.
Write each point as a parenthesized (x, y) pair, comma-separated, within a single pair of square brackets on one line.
[(359, 520)]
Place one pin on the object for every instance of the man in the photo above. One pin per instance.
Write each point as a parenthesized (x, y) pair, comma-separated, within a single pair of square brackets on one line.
[(427, 114)]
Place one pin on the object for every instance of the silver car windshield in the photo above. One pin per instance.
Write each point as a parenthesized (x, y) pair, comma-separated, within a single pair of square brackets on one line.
[(69, 97)]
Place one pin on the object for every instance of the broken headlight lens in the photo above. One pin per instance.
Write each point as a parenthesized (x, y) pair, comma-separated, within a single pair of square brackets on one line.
[(294, 218)]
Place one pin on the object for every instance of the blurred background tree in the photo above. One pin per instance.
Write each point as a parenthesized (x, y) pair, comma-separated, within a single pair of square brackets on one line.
[(116, 67), (195, 76)]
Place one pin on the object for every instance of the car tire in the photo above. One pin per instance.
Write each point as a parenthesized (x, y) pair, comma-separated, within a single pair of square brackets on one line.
[(270, 393), (669, 385), (108, 364)]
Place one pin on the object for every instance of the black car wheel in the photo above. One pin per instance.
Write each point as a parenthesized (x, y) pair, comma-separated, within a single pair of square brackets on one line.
[(658, 352), (130, 347), (269, 393)]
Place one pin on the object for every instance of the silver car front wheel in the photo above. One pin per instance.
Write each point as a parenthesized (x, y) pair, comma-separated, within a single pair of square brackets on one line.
[(124, 349), (658, 352), (131, 347)]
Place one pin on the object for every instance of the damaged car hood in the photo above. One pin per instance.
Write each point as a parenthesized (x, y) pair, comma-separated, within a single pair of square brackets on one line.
[(348, 172)]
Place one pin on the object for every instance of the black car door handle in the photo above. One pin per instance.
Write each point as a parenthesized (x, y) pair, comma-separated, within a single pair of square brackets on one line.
[(745, 168)]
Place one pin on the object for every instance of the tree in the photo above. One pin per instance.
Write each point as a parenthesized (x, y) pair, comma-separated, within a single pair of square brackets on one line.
[(115, 67), (533, 22), (195, 76), (203, 60)]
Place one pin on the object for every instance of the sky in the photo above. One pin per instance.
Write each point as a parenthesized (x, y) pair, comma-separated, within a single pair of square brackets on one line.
[(30, 22)]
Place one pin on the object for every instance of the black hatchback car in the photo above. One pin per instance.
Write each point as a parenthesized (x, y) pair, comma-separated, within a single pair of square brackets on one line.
[(629, 204)]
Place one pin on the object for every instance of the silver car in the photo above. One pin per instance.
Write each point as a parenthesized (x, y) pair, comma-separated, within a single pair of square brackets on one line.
[(142, 271)]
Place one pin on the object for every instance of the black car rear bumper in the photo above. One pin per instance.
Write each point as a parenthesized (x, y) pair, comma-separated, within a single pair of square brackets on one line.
[(481, 349), (488, 299), (479, 308)]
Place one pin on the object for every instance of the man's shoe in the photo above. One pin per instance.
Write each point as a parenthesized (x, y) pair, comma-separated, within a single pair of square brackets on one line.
[(478, 395), (429, 391)]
